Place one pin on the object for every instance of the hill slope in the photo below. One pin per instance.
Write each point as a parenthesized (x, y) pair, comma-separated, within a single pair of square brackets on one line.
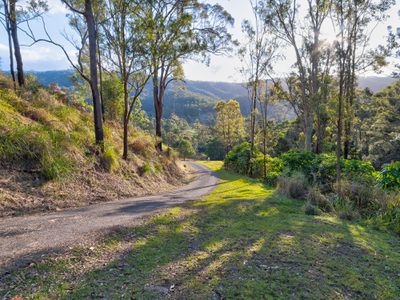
[(195, 100), (47, 158)]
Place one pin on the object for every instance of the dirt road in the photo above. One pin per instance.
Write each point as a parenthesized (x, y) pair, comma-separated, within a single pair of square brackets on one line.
[(27, 238)]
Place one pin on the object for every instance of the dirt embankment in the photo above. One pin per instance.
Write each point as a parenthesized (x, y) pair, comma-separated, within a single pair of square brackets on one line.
[(25, 192)]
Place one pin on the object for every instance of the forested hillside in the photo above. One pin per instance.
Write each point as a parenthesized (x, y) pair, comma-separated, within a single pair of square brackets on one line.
[(195, 100)]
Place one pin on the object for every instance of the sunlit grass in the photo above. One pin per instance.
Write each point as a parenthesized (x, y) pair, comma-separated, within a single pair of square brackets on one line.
[(243, 241)]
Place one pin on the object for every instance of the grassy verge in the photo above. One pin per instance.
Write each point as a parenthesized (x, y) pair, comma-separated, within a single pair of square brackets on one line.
[(241, 241)]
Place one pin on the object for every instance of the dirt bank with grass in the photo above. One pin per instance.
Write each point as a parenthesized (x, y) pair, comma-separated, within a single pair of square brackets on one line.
[(48, 161)]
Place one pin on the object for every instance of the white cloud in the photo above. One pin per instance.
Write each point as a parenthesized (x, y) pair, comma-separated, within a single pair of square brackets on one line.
[(56, 7)]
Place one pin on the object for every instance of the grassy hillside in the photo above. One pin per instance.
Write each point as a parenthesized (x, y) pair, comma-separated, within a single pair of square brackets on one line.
[(48, 161), (243, 241)]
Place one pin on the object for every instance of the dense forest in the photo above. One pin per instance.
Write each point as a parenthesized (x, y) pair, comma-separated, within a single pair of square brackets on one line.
[(305, 163)]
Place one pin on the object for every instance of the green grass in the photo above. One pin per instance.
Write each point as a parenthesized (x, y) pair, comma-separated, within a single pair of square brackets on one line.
[(243, 241)]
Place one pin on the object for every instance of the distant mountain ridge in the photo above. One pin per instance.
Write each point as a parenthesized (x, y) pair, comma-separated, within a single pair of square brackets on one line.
[(195, 100)]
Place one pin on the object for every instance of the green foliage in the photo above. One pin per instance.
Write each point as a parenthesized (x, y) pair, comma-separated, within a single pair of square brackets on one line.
[(185, 148), (110, 159), (238, 159), (215, 149), (303, 161), (147, 168), (321, 169), (389, 177), (388, 218), (37, 146), (229, 124), (113, 98), (273, 167), (359, 170)]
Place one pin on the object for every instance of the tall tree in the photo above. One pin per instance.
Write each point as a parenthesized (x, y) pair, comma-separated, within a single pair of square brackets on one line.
[(178, 30), (12, 17), (257, 55), (351, 20), (127, 55), (7, 26), (229, 125), (304, 39), (82, 19)]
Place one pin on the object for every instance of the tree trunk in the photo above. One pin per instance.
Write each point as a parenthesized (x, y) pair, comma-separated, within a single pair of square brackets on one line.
[(339, 133), (17, 50), (10, 44), (94, 84), (126, 122), (158, 108), (309, 126), (101, 79), (125, 151)]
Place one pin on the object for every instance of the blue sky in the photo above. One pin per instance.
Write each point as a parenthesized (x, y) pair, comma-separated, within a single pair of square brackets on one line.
[(47, 57)]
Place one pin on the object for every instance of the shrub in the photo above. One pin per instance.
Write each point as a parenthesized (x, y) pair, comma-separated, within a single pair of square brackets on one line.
[(143, 146), (360, 195), (389, 177), (326, 173), (146, 168), (389, 218), (310, 209), (215, 149), (360, 171), (185, 148), (273, 168), (238, 158), (306, 162), (295, 186), (110, 160), (314, 197)]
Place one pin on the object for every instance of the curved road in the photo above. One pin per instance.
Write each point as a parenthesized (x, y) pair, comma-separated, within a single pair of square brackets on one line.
[(26, 238)]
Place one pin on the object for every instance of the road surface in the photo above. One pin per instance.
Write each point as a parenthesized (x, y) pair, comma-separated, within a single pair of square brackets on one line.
[(27, 238)]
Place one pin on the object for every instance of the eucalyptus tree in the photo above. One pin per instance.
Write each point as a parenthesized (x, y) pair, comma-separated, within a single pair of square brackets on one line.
[(5, 20), (302, 34), (178, 30), (12, 17), (352, 21), (83, 20), (229, 124), (126, 53), (257, 54)]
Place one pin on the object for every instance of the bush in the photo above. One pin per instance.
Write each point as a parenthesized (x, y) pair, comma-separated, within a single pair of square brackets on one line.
[(314, 197), (360, 171), (185, 148), (273, 168), (389, 218), (238, 159), (306, 162), (310, 209), (326, 173), (143, 146), (360, 195), (147, 168), (110, 160), (215, 149), (389, 177), (295, 186)]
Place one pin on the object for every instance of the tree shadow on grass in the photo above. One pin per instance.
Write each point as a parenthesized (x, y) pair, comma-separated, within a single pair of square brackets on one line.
[(229, 246)]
